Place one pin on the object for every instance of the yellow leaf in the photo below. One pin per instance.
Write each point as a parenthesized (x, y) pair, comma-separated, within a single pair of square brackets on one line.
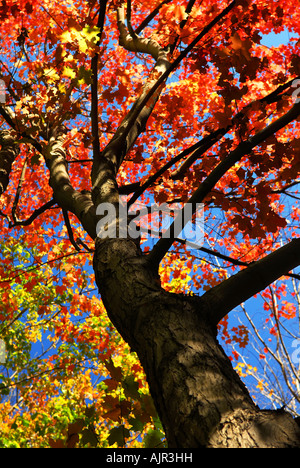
[(66, 37), (51, 75), (69, 73)]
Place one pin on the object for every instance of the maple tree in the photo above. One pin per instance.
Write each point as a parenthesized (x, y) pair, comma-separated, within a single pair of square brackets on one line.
[(156, 101)]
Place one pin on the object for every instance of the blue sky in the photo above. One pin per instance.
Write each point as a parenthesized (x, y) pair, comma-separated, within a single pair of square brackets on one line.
[(275, 40)]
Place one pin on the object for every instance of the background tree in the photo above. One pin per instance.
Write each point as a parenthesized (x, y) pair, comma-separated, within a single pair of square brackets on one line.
[(164, 101)]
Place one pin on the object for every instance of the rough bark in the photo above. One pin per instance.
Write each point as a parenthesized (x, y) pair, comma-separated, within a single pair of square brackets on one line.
[(199, 397), (8, 153), (69, 199)]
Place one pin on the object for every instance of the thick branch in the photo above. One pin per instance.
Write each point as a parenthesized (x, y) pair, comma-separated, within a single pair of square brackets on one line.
[(78, 203), (232, 292), (9, 151), (164, 244), (155, 88), (134, 123), (134, 43), (104, 171)]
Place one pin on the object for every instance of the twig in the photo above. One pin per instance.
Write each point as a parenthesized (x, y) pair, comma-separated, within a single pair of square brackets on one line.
[(128, 18), (18, 192), (34, 215), (150, 17), (69, 229)]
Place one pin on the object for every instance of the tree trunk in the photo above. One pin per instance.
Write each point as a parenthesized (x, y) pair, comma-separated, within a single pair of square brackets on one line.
[(199, 397)]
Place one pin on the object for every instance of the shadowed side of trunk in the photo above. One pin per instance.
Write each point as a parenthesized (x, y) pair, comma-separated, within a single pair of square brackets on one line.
[(199, 397)]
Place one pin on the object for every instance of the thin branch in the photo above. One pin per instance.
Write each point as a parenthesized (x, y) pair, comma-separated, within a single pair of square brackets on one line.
[(132, 42), (286, 187), (272, 97), (181, 56), (215, 253), (244, 148), (280, 338), (69, 229), (79, 241), (9, 117), (150, 17), (207, 142), (34, 215), (199, 148), (274, 356), (291, 195), (18, 192), (8, 325), (30, 269), (94, 85)]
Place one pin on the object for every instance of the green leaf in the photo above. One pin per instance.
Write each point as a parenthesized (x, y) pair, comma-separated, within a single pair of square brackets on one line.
[(118, 435), (90, 411), (131, 387), (153, 439), (136, 424), (84, 76), (89, 437)]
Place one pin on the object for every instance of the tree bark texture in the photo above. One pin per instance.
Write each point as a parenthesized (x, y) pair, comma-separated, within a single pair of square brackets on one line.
[(199, 397), (8, 153)]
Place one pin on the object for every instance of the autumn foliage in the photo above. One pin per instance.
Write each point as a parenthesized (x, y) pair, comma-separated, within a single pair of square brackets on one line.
[(68, 378)]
